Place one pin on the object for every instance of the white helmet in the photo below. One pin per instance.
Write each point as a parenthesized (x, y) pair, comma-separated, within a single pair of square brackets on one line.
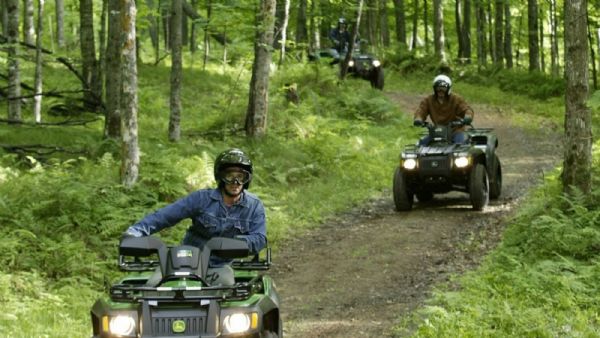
[(442, 80)]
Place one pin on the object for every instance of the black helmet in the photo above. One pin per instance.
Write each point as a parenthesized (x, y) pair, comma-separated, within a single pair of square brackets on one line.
[(232, 158)]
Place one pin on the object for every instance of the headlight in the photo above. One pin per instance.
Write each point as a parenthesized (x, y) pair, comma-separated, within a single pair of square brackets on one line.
[(376, 63), (240, 322), (410, 163), (461, 162), (122, 325), (351, 63)]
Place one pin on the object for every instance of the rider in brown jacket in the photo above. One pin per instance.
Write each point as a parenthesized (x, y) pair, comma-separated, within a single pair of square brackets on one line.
[(442, 107)]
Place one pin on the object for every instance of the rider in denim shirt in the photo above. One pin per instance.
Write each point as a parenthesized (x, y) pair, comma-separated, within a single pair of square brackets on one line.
[(228, 211)]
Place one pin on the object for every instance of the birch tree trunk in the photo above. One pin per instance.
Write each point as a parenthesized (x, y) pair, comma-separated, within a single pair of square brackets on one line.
[(28, 26), (258, 101), (130, 158), (112, 121), (12, 51), (315, 24), (577, 163), (284, 25), (37, 107), (554, 39), (176, 72), (400, 19), (438, 30), (532, 24), (60, 22)]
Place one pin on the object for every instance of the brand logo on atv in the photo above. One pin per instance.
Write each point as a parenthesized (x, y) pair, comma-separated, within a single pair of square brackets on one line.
[(178, 326), (435, 164)]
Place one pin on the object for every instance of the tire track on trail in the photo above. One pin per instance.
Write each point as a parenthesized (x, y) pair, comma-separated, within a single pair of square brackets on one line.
[(358, 273)]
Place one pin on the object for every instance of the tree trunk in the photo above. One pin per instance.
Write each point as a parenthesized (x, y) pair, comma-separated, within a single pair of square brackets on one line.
[(554, 39), (507, 36), (315, 24), (426, 25), (481, 40), (92, 96), (37, 108), (438, 30), (592, 53), (355, 28), (258, 101), (12, 49), (489, 15), (102, 46), (130, 157), (301, 30), (176, 72), (28, 26), (206, 35), (459, 37), (415, 21), (541, 25), (400, 20), (60, 22), (372, 22), (383, 23), (466, 31), (577, 165), (534, 45), (152, 18), (112, 121), (4, 17), (284, 24), (498, 29)]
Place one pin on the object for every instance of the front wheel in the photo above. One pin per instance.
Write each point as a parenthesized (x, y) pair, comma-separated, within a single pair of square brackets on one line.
[(376, 78), (403, 197), (496, 179), (479, 187)]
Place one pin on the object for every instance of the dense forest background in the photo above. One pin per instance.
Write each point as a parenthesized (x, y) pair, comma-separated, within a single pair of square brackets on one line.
[(115, 108)]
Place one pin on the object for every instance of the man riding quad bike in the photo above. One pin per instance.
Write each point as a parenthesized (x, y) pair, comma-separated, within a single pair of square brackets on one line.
[(169, 292), (439, 165), (362, 65)]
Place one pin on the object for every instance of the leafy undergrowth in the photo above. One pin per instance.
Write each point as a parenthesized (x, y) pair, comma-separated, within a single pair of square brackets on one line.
[(61, 214), (542, 281)]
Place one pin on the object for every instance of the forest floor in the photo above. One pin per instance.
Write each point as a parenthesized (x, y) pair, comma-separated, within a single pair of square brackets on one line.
[(363, 271)]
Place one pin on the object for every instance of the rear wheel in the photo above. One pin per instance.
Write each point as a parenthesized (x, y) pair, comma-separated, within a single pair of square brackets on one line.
[(479, 187), (403, 197), (377, 79), (496, 179)]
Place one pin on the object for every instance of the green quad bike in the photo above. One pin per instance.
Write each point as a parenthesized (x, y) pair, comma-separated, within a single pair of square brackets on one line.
[(182, 303), (361, 65), (442, 166)]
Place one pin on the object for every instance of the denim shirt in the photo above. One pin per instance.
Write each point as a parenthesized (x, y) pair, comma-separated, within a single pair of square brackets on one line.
[(210, 218)]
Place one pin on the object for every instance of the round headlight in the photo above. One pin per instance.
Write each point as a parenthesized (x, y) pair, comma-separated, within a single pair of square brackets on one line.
[(351, 63), (410, 164), (376, 63), (461, 162), (122, 325), (237, 322)]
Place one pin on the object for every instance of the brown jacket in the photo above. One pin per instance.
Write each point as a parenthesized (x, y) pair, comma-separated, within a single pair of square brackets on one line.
[(453, 108)]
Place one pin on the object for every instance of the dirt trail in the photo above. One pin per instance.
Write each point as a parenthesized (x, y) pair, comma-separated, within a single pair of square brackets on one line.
[(358, 274)]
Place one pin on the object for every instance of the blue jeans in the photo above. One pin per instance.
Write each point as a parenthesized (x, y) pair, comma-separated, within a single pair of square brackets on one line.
[(458, 137)]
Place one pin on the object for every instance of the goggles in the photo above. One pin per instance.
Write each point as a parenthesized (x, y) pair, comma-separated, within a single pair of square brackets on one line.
[(236, 177)]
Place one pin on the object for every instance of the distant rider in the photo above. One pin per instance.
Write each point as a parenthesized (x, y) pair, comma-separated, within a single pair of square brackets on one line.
[(340, 37), (444, 107)]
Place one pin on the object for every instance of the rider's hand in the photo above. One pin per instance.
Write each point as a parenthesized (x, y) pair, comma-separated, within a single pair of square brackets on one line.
[(467, 120), (418, 123)]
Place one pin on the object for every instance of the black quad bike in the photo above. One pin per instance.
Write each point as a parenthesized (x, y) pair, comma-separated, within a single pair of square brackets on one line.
[(362, 65), (181, 302), (441, 167)]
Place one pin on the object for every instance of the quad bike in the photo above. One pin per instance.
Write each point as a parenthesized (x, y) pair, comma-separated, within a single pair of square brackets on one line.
[(442, 166), (362, 65), (182, 302)]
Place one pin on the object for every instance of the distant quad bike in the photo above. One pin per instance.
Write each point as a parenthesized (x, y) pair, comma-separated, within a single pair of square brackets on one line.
[(362, 65), (441, 167), (182, 302)]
